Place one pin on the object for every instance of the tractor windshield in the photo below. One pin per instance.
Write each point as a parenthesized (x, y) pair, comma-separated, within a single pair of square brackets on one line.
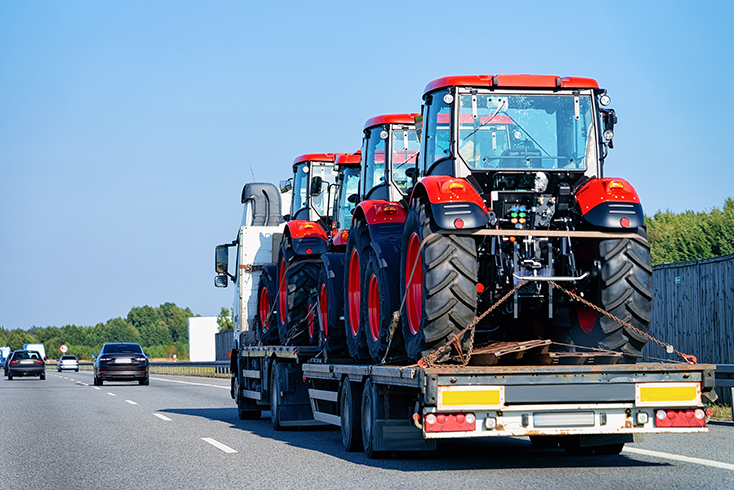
[(299, 188), (322, 176), (349, 187), (526, 131)]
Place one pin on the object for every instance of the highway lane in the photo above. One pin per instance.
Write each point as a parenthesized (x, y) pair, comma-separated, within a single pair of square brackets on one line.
[(183, 432)]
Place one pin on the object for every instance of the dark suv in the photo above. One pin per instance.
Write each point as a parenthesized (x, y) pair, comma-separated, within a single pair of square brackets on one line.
[(121, 361), (25, 363)]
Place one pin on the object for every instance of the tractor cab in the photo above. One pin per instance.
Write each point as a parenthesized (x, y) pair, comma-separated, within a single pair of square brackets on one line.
[(390, 148), (345, 196), (312, 185)]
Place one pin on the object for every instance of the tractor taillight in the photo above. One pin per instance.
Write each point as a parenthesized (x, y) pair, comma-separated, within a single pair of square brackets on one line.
[(625, 222), (389, 209), (456, 186), (615, 184)]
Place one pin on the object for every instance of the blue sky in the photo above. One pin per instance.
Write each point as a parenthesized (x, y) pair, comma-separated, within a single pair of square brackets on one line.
[(127, 129)]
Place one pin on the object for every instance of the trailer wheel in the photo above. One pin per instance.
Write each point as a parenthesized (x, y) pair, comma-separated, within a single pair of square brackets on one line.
[(624, 289), (275, 397), (357, 247), (266, 295), (296, 279), (372, 410), (378, 303), (441, 298), (331, 304), (350, 400)]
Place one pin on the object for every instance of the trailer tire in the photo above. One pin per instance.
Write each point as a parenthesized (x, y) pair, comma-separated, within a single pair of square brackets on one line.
[(379, 301), (297, 277), (267, 289), (357, 247), (331, 305), (441, 299), (350, 405), (372, 410), (275, 397), (623, 288)]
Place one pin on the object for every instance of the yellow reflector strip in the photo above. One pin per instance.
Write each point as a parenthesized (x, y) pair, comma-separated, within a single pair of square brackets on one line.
[(668, 394), (470, 397)]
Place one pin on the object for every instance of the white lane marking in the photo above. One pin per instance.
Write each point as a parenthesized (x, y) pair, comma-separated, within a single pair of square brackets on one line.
[(190, 383), (131, 402), (218, 445), (111, 394), (162, 417), (96, 388), (678, 457)]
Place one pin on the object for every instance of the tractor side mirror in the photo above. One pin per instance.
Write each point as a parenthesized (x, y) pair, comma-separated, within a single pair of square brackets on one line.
[(352, 198)]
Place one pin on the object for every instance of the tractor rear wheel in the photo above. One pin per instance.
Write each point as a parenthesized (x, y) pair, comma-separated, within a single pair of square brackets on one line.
[(378, 304), (331, 305), (354, 262), (297, 277), (623, 288), (441, 297), (267, 331)]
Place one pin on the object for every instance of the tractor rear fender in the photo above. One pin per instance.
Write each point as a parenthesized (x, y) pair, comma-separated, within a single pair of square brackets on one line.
[(384, 219), (610, 203), (307, 237), (455, 203)]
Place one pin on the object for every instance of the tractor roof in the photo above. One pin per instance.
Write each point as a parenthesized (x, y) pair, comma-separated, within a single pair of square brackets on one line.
[(511, 81), (390, 118), (349, 159), (316, 157)]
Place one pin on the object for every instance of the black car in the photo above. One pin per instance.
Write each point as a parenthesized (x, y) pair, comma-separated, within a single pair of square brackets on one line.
[(121, 361), (25, 363)]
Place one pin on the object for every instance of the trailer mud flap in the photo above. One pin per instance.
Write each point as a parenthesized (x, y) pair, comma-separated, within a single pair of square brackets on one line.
[(294, 402), (400, 435)]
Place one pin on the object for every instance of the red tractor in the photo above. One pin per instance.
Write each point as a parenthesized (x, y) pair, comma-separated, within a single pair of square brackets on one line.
[(370, 288), (510, 197), (286, 287)]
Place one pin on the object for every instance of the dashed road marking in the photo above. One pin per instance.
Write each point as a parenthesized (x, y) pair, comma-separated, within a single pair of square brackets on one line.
[(111, 394), (678, 457), (218, 445), (190, 383), (162, 417), (131, 402), (96, 388)]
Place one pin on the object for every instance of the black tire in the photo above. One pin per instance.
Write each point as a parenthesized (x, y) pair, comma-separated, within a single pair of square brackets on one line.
[(42, 376), (379, 300), (372, 410), (443, 297), (350, 409), (144, 382), (354, 261), (331, 305), (275, 397), (76, 370), (301, 276), (10, 377), (624, 289), (267, 290)]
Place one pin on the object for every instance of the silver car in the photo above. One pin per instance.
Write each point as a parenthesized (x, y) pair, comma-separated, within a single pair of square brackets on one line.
[(68, 362)]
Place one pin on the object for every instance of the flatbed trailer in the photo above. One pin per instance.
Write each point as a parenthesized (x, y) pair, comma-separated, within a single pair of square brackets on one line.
[(387, 408)]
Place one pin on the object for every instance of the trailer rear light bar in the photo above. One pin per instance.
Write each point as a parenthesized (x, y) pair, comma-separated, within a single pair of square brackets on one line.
[(680, 418), (450, 422)]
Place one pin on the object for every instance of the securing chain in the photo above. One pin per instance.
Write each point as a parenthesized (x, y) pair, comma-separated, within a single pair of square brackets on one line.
[(690, 359)]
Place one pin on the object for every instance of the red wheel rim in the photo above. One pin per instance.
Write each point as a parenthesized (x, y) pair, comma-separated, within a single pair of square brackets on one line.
[(587, 318), (353, 293), (310, 321), (324, 313), (373, 308), (282, 292), (264, 307), (414, 288)]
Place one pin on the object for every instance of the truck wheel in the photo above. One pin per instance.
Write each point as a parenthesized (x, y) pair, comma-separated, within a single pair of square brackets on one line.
[(350, 401), (275, 397), (357, 246), (624, 289), (441, 298), (331, 305), (372, 410), (266, 294), (379, 301), (296, 278)]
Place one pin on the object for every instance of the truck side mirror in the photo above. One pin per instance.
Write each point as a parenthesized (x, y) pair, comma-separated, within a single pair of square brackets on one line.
[(221, 259), (286, 186), (220, 281)]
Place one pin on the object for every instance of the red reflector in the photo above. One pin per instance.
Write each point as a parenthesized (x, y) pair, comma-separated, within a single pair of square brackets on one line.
[(512, 239), (449, 422), (680, 418), (625, 222), (308, 251), (459, 223), (480, 287)]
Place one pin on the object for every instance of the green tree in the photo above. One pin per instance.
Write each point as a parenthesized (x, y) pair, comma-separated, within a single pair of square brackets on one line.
[(224, 320), (18, 337)]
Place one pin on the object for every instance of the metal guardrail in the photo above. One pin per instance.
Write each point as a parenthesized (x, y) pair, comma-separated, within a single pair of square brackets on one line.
[(216, 369), (725, 379)]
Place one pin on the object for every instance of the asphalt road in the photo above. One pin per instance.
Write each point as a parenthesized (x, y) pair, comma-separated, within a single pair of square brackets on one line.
[(183, 432)]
